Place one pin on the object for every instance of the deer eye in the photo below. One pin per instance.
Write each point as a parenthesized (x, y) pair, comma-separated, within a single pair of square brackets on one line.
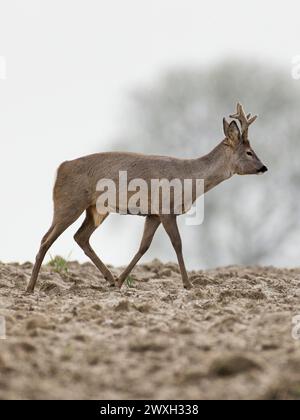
[(249, 153)]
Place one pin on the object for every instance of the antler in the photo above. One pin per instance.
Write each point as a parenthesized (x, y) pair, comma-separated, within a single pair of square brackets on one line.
[(244, 120)]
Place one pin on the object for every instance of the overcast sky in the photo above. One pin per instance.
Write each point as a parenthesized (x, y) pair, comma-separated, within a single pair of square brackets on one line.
[(69, 66)]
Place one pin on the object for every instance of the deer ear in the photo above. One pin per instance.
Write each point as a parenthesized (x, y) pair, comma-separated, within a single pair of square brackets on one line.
[(225, 127), (233, 133)]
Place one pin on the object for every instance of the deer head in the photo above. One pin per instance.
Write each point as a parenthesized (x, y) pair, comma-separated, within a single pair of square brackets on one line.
[(244, 160)]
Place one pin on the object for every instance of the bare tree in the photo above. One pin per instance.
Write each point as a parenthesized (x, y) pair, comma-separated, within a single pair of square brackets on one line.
[(247, 223)]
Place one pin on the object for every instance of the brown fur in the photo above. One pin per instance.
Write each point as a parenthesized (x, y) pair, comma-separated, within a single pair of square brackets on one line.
[(75, 191)]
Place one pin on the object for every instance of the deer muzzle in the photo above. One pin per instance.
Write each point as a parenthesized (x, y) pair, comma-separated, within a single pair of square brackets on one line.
[(262, 170)]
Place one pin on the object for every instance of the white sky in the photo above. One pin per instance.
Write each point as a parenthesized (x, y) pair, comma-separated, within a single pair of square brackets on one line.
[(70, 64)]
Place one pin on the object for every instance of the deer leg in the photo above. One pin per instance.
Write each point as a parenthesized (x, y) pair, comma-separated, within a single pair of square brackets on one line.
[(170, 224), (61, 221), (92, 221), (151, 225)]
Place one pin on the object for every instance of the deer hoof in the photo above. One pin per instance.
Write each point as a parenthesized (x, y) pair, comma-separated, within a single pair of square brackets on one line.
[(111, 281), (29, 292), (188, 286)]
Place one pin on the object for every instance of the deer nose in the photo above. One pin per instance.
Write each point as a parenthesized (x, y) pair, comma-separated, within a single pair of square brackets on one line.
[(263, 169)]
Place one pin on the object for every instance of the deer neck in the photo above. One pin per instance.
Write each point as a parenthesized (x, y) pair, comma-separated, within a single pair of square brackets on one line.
[(213, 168)]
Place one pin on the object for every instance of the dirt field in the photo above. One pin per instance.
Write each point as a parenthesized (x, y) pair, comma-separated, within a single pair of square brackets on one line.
[(229, 337)]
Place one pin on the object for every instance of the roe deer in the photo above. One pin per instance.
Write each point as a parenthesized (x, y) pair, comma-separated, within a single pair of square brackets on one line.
[(75, 191)]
